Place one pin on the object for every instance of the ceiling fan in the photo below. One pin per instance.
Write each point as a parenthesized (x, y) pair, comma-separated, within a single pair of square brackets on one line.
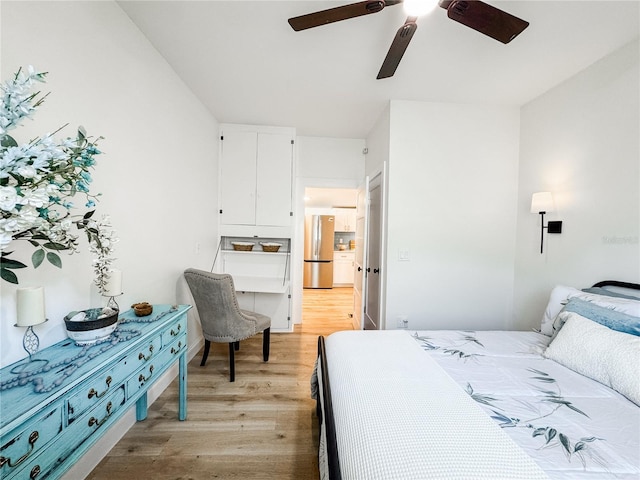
[(480, 16)]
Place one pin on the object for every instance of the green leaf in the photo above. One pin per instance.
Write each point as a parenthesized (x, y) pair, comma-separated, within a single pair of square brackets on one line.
[(89, 214), (34, 243), (8, 276), (8, 141), (9, 263), (564, 440), (55, 246), (37, 257), (54, 259)]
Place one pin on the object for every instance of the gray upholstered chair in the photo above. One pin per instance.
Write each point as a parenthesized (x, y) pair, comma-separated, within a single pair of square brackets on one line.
[(221, 318)]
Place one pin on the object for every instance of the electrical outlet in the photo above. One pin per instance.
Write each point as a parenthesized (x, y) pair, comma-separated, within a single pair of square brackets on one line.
[(403, 322), (197, 249)]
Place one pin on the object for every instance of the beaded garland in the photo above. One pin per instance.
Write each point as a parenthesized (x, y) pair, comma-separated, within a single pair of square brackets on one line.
[(70, 365)]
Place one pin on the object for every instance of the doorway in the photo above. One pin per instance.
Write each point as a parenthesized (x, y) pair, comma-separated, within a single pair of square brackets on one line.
[(336, 301)]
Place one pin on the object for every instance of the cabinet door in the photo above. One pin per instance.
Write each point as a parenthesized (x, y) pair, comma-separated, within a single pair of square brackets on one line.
[(274, 179), (238, 178), (275, 306)]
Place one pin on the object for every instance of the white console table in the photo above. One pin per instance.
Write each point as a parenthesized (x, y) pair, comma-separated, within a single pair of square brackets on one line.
[(56, 406)]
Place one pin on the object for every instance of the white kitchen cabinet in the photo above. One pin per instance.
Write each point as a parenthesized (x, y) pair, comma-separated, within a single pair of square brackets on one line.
[(345, 219), (343, 265), (256, 173)]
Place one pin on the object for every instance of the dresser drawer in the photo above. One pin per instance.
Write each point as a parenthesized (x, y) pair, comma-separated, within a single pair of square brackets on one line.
[(155, 367), (171, 333), (22, 444)]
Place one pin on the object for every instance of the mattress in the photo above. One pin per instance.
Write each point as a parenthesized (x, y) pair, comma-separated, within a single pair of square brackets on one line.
[(472, 405)]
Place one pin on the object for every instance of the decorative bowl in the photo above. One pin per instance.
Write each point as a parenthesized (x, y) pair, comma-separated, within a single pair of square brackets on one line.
[(142, 309), (87, 327), (270, 246), (243, 246)]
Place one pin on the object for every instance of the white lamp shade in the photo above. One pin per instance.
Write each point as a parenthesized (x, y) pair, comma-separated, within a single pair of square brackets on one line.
[(542, 202)]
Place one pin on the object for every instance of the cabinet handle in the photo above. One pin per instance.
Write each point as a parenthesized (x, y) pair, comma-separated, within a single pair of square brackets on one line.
[(94, 393), (94, 421), (142, 356), (376, 270), (143, 379), (35, 471), (173, 334), (174, 350), (33, 438), (359, 269)]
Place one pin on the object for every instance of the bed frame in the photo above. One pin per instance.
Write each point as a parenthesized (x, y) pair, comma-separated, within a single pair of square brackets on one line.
[(325, 395)]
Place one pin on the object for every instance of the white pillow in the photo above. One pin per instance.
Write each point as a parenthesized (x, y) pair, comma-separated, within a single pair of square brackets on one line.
[(561, 294), (610, 357)]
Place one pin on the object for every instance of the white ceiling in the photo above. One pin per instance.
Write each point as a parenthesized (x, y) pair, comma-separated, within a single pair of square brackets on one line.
[(246, 64)]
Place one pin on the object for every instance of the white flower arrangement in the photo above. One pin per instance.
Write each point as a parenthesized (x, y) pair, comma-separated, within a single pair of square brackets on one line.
[(38, 180)]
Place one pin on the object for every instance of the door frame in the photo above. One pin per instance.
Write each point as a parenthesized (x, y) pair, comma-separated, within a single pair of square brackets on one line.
[(362, 212), (382, 285)]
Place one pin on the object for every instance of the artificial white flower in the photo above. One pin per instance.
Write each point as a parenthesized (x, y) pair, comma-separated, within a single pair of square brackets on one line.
[(8, 198)]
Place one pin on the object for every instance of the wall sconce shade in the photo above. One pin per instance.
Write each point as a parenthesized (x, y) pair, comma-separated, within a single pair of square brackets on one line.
[(542, 202)]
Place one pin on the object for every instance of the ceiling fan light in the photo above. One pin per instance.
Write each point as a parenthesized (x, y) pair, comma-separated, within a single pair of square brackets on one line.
[(417, 8)]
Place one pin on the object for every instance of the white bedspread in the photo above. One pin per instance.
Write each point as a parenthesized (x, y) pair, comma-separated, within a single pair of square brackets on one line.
[(400, 416), (572, 426)]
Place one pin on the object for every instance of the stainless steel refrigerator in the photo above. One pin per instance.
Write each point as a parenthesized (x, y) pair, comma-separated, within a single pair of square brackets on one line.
[(318, 251)]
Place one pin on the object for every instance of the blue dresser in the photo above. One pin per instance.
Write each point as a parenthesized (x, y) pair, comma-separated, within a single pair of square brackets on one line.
[(56, 406)]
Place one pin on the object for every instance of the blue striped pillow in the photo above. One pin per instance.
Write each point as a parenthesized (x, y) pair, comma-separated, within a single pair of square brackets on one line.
[(619, 321)]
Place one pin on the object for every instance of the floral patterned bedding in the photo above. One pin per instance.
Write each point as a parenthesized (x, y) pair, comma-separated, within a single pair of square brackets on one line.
[(572, 426)]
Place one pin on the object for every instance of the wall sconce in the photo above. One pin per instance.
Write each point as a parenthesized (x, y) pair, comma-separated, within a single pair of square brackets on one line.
[(542, 202)]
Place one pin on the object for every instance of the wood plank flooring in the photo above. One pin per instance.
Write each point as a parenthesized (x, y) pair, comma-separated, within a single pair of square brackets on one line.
[(262, 426)]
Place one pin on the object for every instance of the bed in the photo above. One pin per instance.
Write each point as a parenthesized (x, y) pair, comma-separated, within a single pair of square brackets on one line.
[(560, 403)]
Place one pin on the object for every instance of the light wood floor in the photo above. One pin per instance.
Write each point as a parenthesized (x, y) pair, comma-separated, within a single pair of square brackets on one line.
[(262, 426)]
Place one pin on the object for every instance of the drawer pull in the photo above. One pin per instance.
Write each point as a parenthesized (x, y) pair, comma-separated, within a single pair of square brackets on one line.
[(177, 332), (94, 421), (145, 358), (142, 378), (176, 350), (94, 393), (33, 438), (35, 471)]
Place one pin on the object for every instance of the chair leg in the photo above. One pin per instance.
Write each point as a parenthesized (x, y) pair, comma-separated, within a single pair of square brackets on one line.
[(265, 344), (236, 345), (205, 354), (232, 363)]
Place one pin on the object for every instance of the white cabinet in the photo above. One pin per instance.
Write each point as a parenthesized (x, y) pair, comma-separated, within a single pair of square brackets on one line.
[(256, 172), (261, 278), (345, 219), (343, 265)]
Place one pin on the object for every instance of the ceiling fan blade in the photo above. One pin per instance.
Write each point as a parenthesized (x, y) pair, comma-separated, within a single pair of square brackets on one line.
[(484, 18), (337, 14), (397, 48)]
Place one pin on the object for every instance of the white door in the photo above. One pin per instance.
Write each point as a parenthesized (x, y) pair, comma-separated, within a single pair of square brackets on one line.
[(360, 255), (374, 257), (238, 178), (274, 179)]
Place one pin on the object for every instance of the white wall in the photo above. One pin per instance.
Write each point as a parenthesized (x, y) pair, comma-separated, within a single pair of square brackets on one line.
[(452, 199), (580, 141), (157, 174), (158, 170), (320, 162)]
